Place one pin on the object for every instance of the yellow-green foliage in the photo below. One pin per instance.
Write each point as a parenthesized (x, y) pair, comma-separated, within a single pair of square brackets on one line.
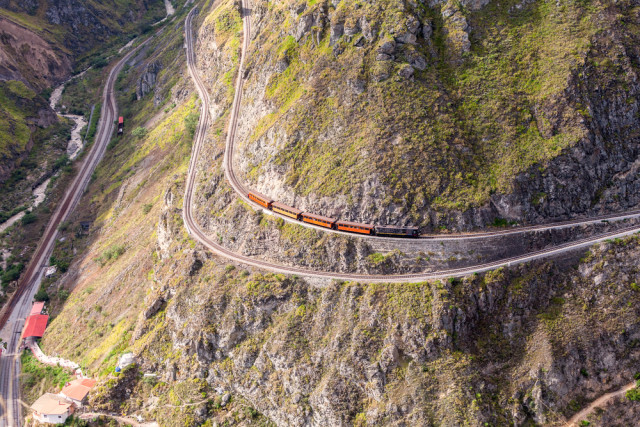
[(449, 138), (14, 109)]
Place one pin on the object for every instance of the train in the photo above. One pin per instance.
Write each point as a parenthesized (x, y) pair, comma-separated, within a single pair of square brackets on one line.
[(332, 223), (120, 125)]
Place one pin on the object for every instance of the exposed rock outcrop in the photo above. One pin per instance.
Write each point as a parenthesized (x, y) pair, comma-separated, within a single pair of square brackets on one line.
[(147, 80)]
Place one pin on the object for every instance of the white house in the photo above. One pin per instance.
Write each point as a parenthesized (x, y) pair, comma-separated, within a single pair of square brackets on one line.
[(51, 408)]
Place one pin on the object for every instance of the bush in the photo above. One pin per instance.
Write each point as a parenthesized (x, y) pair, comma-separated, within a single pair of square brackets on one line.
[(29, 218), (41, 295), (633, 394), (12, 273), (111, 254), (61, 162), (139, 132), (146, 208), (63, 294), (62, 265), (191, 123)]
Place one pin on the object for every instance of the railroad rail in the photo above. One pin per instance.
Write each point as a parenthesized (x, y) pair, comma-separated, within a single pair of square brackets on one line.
[(196, 231)]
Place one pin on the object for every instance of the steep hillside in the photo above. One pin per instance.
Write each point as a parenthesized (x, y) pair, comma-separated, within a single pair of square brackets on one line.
[(40, 44), (452, 114)]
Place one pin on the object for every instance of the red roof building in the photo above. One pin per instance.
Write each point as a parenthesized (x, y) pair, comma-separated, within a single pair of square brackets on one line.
[(77, 390), (35, 326), (37, 308)]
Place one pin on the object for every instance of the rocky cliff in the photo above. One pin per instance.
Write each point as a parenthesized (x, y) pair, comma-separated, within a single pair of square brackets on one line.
[(447, 114)]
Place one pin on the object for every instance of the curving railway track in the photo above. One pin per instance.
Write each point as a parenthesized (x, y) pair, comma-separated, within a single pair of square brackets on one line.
[(196, 231)]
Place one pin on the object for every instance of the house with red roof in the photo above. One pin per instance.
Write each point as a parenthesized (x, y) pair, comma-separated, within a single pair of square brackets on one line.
[(77, 390)]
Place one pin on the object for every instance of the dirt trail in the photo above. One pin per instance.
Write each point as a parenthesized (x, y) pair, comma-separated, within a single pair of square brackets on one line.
[(599, 402)]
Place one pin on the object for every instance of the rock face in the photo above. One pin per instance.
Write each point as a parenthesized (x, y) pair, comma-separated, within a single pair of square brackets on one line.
[(510, 347), (147, 80), (470, 173), (38, 63)]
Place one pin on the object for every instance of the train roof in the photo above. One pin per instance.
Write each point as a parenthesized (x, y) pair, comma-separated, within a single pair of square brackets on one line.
[(354, 224), (286, 207), (120, 119), (261, 196), (320, 217), (397, 227)]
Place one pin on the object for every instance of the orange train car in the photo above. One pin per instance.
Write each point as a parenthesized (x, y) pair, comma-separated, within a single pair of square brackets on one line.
[(286, 210), (260, 199), (322, 221), (354, 227)]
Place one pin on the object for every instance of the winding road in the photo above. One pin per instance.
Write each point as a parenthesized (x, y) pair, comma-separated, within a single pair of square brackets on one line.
[(198, 234)]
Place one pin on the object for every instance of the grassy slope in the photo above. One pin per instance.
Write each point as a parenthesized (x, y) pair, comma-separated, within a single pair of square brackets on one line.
[(123, 199), (447, 139)]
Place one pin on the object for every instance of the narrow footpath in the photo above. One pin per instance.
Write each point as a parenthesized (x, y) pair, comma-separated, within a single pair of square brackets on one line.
[(598, 403)]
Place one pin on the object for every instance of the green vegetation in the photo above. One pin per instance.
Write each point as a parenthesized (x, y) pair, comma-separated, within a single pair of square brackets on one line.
[(111, 254), (450, 137), (634, 393), (38, 378), (139, 132), (191, 123), (28, 218), (11, 274)]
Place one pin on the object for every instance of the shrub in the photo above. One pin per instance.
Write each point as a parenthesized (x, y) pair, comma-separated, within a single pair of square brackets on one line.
[(41, 295), (111, 254), (29, 218), (12, 273), (633, 394), (191, 123), (146, 208), (139, 132)]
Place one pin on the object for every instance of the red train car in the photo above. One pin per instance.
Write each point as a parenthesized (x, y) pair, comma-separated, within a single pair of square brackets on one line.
[(120, 125), (286, 210), (322, 221), (354, 227), (260, 199)]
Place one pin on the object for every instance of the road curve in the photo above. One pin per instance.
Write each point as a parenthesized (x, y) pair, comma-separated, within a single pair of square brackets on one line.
[(198, 234)]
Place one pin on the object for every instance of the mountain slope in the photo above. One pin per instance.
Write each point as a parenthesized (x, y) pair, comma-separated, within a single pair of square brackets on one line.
[(445, 115)]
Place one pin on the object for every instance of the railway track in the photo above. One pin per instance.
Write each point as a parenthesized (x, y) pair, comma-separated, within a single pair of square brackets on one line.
[(242, 191), (10, 415), (74, 192), (194, 229)]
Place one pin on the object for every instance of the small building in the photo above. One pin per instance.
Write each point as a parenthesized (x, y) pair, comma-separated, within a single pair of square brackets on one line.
[(35, 326), (37, 308), (51, 408), (77, 390), (125, 360), (50, 271)]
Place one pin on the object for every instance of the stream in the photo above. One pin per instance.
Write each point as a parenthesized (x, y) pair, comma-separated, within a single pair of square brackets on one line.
[(74, 146)]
